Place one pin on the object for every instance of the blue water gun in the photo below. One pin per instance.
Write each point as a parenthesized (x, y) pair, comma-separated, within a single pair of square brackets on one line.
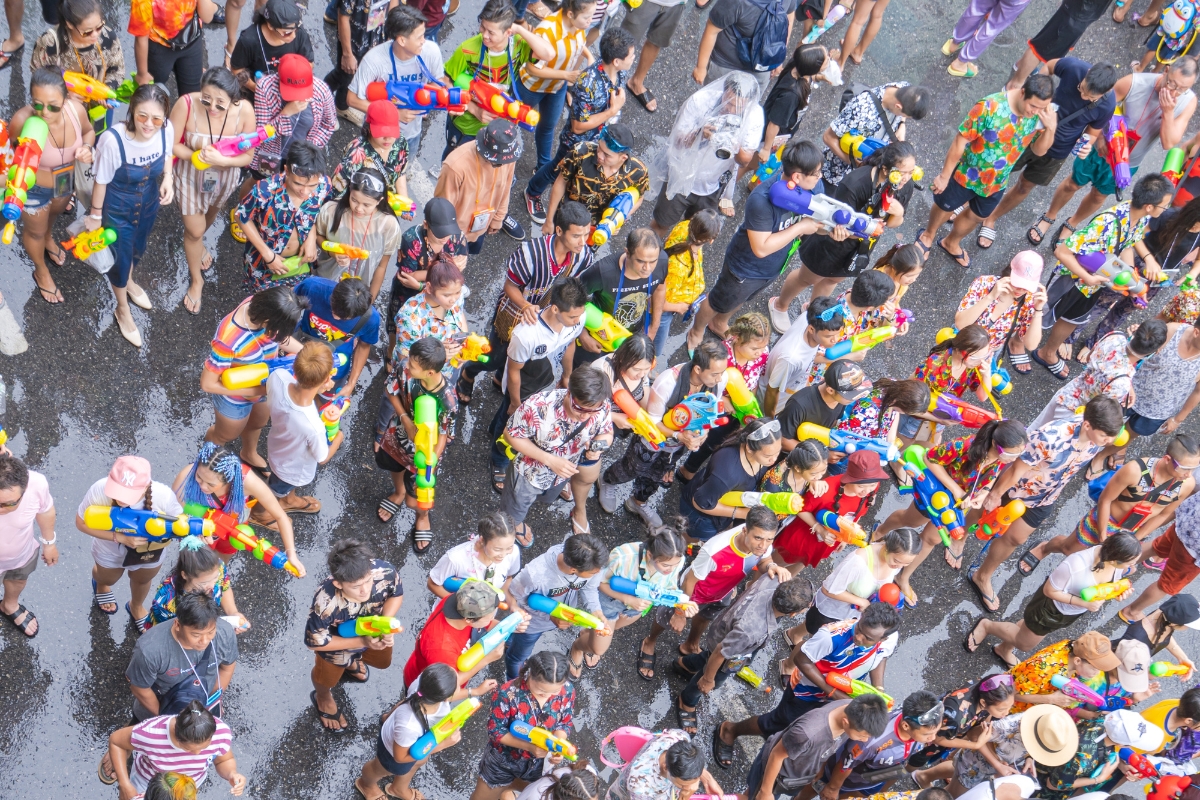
[(931, 496), (664, 596)]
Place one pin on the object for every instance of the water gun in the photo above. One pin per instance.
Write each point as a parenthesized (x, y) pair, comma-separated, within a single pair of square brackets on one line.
[(495, 101), (87, 242), (863, 340), (235, 146), (369, 626), (339, 249), (1168, 787), (127, 88), (953, 411), (424, 449), (1173, 164), (745, 404), (664, 596), (997, 521), (401, 206), (413, 96), (1165, 669), (240, 536), (1077, 690), (458, 717), (90, 89), (1139, 764), (489, 642), (854, 688), (615, 216), (474, 348), (643, 424), (1116, 136), (331, 415), (844, 528), (835, 14), (825, 210), (294, 265), (147, 524), (755, 681), (779, 502), (604, 328), (931, 496), (244, 376), (1121, 277), (767, 168), (540, 737), (1105, 591), (22, 175), (859, 147), (575, 616), (696, 412), (847, 442), (1001, 380)]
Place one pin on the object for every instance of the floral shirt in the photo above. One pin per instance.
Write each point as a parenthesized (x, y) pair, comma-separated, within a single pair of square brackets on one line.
[(415, 254), (860, 115), (1109, 373), (416, 320), (163, 607), (952, 455), (864, 418), (937, 371), (1107, 232), (366, 23), (361, 154), (1015, 319), (752, 370), (642, 778), (330, 608), (996, 136), (685, 272), (278, 220), (515, 702), (543, 420), (971, 768), (1032, 676), (1054, 459), (1092, 753), (591, 94), (105, 63), (587, 184), (1187, 525)]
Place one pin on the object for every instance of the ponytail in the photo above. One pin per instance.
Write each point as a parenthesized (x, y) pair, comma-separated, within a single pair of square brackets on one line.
[(436, 684)]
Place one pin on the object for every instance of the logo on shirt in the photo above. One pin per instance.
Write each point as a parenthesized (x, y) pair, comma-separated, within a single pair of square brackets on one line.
[(326, 330), (540, 350)]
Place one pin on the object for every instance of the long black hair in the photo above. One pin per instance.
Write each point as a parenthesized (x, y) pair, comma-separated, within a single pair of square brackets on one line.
[(909, 396), (807, 60), (1177, 227), (703, 227), (436, 683), (1006, 433), (371, 188), (75, 12), (970, 339)]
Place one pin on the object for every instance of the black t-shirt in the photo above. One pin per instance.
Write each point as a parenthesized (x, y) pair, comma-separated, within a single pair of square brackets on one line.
[(737, 19), (842, 259), (255, 54), (723, 473), (1086, 10), (1070, 71), (782, 105), (1182, 244), (604, 283), (762, 216), (807, 405)]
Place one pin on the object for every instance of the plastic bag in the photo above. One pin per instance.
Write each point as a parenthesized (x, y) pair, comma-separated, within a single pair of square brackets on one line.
[(101, 261)]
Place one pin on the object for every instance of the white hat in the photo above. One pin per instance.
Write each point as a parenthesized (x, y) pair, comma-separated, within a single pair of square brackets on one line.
[(1131, 729), (1134, 669)]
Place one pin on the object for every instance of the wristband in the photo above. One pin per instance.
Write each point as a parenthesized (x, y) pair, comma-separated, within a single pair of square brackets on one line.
[(48, 543)]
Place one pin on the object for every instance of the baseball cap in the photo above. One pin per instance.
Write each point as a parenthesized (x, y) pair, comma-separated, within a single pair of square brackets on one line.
[(1094, 648), (127, 480), (1026, 269), (441, 219), (282, 14), (500, 142), (383, 119), (1131, 729), (618, 137), (863, 467), (473, 600), (1049, 734), (847, 379), (295, 78), (1182, 609), (1134, 670)]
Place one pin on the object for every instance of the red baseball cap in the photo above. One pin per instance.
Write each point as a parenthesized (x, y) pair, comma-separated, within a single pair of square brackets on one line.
[(295, 78), (383, 119)]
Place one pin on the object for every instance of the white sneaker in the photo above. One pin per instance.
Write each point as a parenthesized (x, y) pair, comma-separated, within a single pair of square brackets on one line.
[(780, 320), (353, 116)]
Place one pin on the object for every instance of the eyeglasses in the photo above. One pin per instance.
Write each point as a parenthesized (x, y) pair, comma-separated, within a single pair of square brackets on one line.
[(1171, 85), (931, 717), (996, 681), (584, 410), (204, 101), (46, 107), (142, 116)]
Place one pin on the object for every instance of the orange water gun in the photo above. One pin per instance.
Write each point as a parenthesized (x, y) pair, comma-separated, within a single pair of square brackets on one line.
[(241, 537), (643, 424), (339, 249), (997, 521), (495, 101)]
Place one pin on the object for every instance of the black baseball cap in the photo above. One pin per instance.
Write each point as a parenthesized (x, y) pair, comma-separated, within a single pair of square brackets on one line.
[(441, 219), (1182, 609), (282, 14), (847, 379)]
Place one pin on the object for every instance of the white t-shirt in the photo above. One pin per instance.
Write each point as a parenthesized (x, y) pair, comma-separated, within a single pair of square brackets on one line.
[(788, 366), (539, 343), (296, 443), (18, 538), (852, 574), (108, 553), (708, 180), (381, 64), (1074, 575), (461, 561), (403, 728), (983, 791), (137, 154)]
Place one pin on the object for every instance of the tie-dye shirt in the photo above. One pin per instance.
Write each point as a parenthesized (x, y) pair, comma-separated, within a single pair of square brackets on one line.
[(160, 20)]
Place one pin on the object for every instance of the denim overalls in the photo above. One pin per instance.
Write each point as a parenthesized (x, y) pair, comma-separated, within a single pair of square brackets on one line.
[(130, 208)]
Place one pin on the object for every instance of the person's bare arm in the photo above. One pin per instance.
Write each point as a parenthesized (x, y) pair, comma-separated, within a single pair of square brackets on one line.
[(764, 243), (514, 384), (707, 42), (146, 697), (141, 56), (1173, 127), (834, 143), (952, 156)]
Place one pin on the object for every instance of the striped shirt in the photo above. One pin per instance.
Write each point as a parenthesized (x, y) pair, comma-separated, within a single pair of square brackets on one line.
[(233, 345), (154, 752), (532, 267), (568, 49)]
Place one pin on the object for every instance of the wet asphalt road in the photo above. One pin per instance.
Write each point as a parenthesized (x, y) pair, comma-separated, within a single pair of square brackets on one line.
[(80, 397)]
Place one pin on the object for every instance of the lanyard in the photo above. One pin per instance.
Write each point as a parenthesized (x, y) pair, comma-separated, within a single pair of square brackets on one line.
[(420, 62), (649, 290), (215, 696), (512, 82)]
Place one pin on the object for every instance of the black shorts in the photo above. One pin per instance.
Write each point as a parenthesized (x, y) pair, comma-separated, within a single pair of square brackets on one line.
[(1042, 617), (957, 195), (1058, 36), (729, 293), (669, 211), (1038, 170), (1065, 302), (1142, 426), (790, 709), (814, 619), (1034, 516), (385, 461)]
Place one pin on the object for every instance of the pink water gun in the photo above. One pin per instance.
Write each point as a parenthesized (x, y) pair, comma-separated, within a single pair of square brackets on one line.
[(1077, 690), (235, 146)]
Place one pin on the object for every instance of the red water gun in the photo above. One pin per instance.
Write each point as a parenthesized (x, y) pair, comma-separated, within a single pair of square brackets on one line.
[(494, 101), (953, 411), (1169, 787), (241, 537), (1139, 764)]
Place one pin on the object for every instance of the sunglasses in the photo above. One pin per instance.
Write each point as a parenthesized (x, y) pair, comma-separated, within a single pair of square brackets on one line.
[(931, 717), (996, 681), (204, 101), (300, 172), (46, 107), (583, 410), (364, 181), (85, 34), (14, 503), (142, 116)]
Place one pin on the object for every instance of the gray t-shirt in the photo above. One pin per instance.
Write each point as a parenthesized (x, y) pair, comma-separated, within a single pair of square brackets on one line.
[(737, 19), (746, 625), (543, 576), (159, 662), (809, 744)]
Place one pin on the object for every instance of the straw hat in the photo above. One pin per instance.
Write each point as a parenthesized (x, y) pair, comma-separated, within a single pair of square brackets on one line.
[(1049, 734)]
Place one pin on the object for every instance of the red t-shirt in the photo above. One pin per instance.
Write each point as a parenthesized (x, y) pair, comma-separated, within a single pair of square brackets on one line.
[(797, 543), (439, 642)]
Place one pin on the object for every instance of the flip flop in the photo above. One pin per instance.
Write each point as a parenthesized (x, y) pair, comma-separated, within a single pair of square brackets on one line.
[(983, 598), (645, 98), (334, 717), (923, 248), (962, 259), (968, 71), (6, 57), (970, 637), (1058, 369), (995, 655), (55, 293), (357, 677), (108, 779), (104, 598), (522, 529), (1028, 559), (311, 506)]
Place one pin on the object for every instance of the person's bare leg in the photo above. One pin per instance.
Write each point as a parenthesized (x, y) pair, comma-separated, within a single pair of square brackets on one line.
[(1066, 544), (924, 778), (929, 540), (140, 581), (908, 517), (254, 425), (194, 226), (964, 223), (14, 12), (937, 218), (401, 785), (1061, 331), (35, 237), (1062, 195), (1001, 548), (372, 773), (1010, 634), (691, 645), (796, 282), (1024, 67), (581, 487), (1012, 198), (732, 731), (824, 287), (873, 25), (637, 82), (1092, 202), (858, 19), (704, 315), (12, 600), (1149, 596), (233, 20)]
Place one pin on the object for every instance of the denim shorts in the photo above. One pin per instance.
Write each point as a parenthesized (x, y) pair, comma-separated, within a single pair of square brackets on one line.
[(279, 488), (1142, 426), (384, 754), (909, 426), (38, 198), (614, 608), (498, 771), (229, 409)]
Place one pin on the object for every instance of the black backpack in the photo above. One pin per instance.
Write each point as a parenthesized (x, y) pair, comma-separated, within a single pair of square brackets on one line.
[(767, 48)]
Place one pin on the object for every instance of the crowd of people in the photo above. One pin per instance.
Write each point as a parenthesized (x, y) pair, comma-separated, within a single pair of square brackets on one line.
[(779, 431)]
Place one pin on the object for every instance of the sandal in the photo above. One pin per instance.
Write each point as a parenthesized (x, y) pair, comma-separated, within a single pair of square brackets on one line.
[(1058, 369), (968, 71), (722, 753), (56, 297), (1035, 234), (576, 528), (1121, 616), (388, 507), (463, 392), (356, 676), (311, 506), (498, 481), (413, 794), (263, 472), (6, 57), (923, 248), (986, 234), (645, 98), (687, 719), (140, 624), (962, 259), (592, 665), (1018, 360), (194, 307), (23, 627), (985, 599), (969, 644), (62, 256), (103, 599), (575, 671), (107, 778), (678, 666), (382, 794), (334, 717), (424, 538), (524, 529), (953, 561), (1028, 560), (1085, 353), (1064, 230), (1007, 664), (646, 661)]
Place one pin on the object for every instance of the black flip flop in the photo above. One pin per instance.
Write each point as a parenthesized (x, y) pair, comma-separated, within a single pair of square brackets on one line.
[(647, 661), (335, 717), (983, 599), (996, 656), (355, 677), (722, 753), (1028, 559), (6, 57), (644, 98), (966, 643), (962, 259)]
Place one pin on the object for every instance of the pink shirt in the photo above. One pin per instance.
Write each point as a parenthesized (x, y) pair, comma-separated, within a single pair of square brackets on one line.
[(18, 536), (153, 751)]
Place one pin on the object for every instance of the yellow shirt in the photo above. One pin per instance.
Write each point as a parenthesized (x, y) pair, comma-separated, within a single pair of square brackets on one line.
[(568, 50), (685, 276)]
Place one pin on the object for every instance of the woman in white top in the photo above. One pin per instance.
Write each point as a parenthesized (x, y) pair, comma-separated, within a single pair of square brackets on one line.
[(576, 781), (361, 219), (214, 114), (858, 577), (491, 556), (128, 485), (1059, 600), (544, 83)]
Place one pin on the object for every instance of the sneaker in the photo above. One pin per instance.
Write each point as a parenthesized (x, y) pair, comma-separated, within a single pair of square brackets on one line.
[(352, 115), (607, 494), (648, 515), (780, 320), (513, 228), (235, 230), (537, 211)]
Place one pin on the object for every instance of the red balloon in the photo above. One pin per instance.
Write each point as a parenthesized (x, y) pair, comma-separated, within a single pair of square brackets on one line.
[(890, 594)]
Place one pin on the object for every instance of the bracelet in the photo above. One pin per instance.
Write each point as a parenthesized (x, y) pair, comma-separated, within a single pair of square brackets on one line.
[(96, 216), (48, 543)]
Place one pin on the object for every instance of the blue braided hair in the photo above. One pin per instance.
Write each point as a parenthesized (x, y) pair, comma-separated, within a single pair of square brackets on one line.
[(228, 465)]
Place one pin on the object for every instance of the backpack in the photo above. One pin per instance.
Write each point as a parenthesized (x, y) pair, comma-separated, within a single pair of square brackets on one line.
[(1178, 21), (767, 48), (852, 91)]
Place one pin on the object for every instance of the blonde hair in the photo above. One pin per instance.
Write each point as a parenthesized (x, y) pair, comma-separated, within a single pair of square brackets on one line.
[(313, 366)]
